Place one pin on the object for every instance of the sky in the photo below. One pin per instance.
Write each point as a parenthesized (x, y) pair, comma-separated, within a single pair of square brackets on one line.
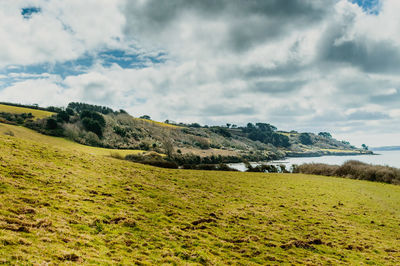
[(305, 65)]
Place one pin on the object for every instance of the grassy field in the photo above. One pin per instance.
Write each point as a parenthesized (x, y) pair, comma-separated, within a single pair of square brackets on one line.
[(61, 204), (158, 123), (61, 143), (338, 151), (20, 110)]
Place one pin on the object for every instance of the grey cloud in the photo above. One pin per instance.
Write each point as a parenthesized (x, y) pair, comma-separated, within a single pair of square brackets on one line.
[(277, 87), (386, 100), (367, 115), (226, 110), (249, 22), (285, 69), (378, 56), (98, 92)]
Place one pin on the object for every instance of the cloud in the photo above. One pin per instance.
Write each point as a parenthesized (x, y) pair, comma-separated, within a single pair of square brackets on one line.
[(311, 65), (235, 25), (54, 31)]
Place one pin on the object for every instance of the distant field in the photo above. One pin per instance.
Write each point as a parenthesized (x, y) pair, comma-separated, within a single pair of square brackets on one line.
[(61, 204), (288, 134), (158, 123), (20, 110), (208, 152), (338, 151), (28, 134)]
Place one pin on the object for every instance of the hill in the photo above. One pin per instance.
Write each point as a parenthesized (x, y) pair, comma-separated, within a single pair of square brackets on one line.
[(103, 127), (24, 110), (62, 204)]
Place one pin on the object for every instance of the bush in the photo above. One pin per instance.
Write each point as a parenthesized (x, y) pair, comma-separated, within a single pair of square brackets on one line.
[(71, 131), (153, 159), (63, 116), (91, 139), (305, 139), (263, 168), (354, 170), (51, 124), (93, 126), (9, 133), (94, 116), (117, 155), (209, 167)]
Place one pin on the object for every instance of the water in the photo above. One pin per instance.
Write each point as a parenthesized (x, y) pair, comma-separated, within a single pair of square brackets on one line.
[(390, 158)]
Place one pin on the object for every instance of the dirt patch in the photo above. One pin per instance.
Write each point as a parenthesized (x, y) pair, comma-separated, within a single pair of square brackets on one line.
[(354, 247), (205, 220), (302, 244), (17, 225), (70, 257)]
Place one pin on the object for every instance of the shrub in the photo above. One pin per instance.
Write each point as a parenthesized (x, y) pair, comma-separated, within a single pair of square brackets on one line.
[(354, 170), (305, 139), (71, 131), (9, 133), (119, 131), (93, 126), (94, 116), (51, 124), (117, 155), (153, 159), (63, 116), (92, 139), (210, 167)]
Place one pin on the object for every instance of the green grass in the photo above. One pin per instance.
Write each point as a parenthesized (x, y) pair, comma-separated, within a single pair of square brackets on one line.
[(20, 110), (157, 123), (61, 143), (338, 151), (59, 204)]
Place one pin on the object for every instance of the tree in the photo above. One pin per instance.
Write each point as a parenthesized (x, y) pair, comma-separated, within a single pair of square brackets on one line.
[(195, 125), (63, 116), (365, 147), (147, 117), (325, 135), (51, 124), (92, 126), (94, 116), (69, 111), (305, 139), (80, 107), (168, 147)]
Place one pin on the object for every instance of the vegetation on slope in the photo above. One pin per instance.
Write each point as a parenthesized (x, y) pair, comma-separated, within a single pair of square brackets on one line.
[(59, 205), (103, 127), (61, 143)]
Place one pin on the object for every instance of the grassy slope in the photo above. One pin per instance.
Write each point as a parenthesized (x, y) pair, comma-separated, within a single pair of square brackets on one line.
[(21, 110), (157, 123), (28, 134), (58, 203)]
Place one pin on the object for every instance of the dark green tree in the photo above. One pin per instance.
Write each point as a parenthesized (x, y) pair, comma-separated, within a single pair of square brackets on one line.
[(63, 116), (305, 139)]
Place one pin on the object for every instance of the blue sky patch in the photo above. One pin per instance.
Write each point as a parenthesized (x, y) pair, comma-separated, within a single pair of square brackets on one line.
[(369, 6), (27, 12), (106, 58)]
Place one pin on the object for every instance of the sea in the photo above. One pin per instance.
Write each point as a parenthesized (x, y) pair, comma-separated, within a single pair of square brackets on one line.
[(389, 158)]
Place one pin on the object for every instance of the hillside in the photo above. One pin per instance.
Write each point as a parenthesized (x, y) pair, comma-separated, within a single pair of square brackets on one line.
[(60, 204), (23, 110), (103, 127)]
